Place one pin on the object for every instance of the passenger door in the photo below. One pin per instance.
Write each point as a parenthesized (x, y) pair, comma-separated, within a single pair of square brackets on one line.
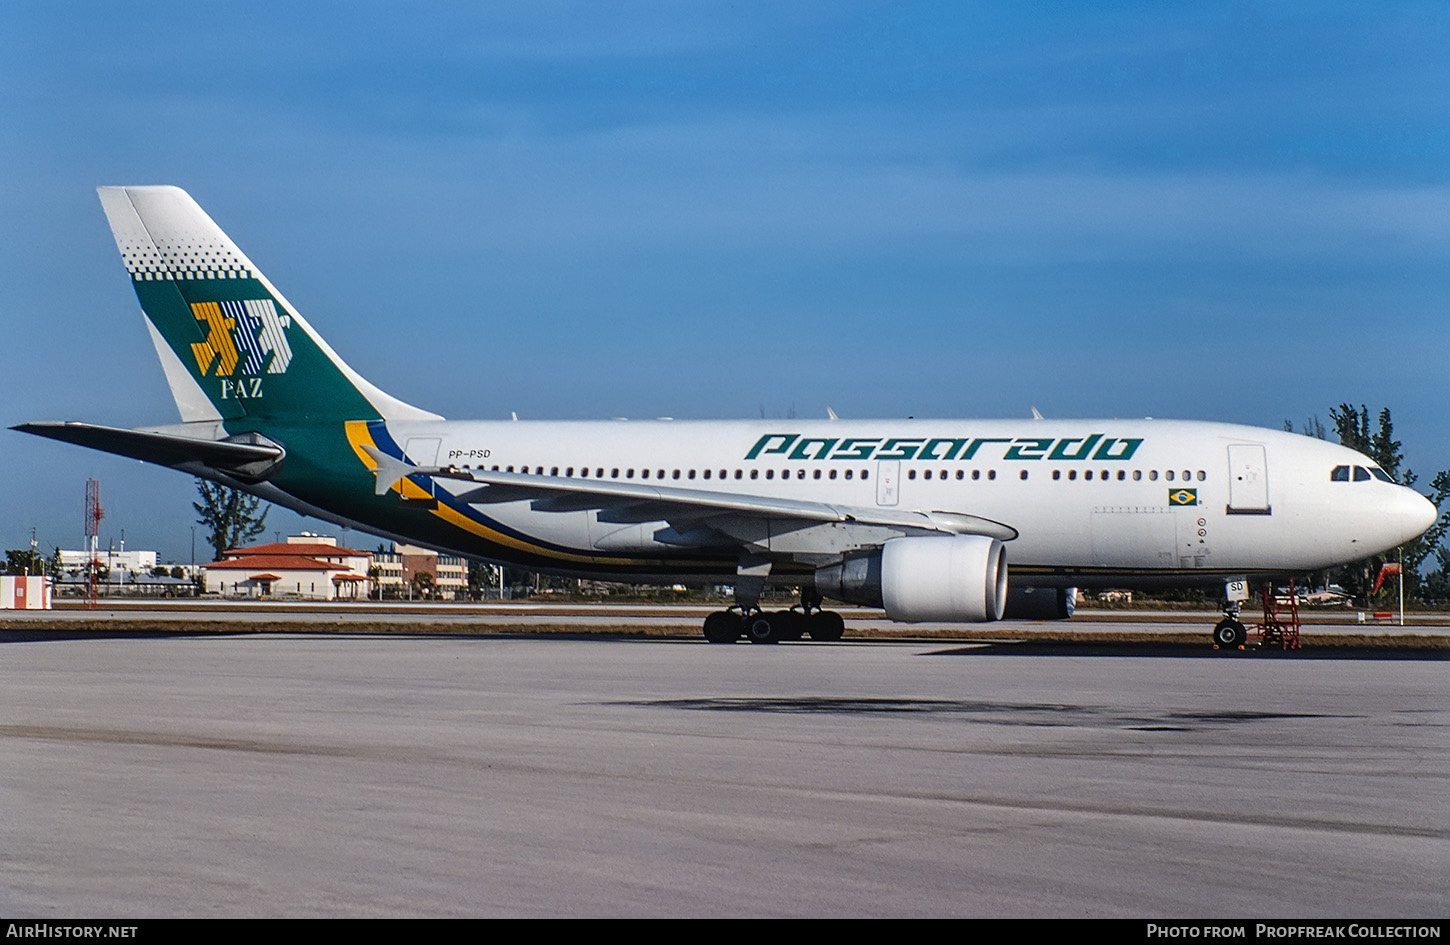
[(1248, 479)]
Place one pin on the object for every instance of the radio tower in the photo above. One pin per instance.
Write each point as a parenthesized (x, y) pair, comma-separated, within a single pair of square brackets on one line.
[(93, 533)]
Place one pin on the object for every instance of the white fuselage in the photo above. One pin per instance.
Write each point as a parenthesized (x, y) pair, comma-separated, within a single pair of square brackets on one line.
[(1144, 500)]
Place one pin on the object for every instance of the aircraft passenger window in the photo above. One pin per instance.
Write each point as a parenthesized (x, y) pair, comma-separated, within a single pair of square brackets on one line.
[(691, 475), (675, 475), (599, 473), (911, 474), (831, 474), (1168, 475), (848, 474), (629, 474), (1056, 474), (722, 474), (1361, 474), (584, 472), (644, 474), (707, 474), (511, 469), (1380, 474), (569, 472), (754, 474), (976, 474), (991, 474), (1152, 475), (554, 471), (1088, 475), (961, 474), (1202, 475), (1137, 475), (1187, 475), (614, 474), (800, 474), (1340, 474), (738, 473), (817, 474), (1024, 474), (770, 474), (865, 474), (538, 470), (1122, 474)]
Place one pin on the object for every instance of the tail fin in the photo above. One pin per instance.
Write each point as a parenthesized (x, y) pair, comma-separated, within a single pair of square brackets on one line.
[(231, 345)]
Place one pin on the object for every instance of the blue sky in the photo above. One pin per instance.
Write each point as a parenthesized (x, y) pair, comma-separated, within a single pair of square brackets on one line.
[(1236, 212)]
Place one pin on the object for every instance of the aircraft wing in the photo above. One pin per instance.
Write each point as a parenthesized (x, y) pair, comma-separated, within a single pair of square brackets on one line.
[(684, 509)]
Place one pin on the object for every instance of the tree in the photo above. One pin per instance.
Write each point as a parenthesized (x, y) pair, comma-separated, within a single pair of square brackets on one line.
[(230, 514), (24, 561), (480, 577), (1312, 427)]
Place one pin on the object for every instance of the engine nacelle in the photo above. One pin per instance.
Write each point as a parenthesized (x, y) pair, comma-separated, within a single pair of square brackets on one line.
[(951, 578), (1040, 603)]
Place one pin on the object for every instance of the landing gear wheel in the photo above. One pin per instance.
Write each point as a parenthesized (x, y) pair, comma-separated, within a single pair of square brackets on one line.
[(1229, 634), (789, 625), (763, 628), (722, 627), (827, 626)]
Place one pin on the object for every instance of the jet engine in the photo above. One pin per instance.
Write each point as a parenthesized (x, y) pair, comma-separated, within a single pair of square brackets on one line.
[(951, 578)]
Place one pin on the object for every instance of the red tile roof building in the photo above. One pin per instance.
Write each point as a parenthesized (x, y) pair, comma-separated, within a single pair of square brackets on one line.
[(311, 567)]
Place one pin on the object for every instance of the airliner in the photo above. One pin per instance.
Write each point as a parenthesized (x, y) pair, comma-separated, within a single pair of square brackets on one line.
[(926, 519)]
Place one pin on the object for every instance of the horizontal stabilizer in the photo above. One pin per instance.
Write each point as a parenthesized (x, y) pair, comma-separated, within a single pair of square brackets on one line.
[(248, 460)]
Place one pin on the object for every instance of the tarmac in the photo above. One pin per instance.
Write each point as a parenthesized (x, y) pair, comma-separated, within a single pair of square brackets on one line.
[(147, 772)]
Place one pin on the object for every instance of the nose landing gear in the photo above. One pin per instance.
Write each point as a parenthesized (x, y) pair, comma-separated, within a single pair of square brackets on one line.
[(1228, 633), (1281, 619)]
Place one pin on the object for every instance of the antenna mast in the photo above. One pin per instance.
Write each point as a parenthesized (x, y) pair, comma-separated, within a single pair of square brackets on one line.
[(94, 513)]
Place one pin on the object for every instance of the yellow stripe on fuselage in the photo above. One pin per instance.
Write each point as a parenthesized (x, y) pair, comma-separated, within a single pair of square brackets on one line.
[(359, 434)]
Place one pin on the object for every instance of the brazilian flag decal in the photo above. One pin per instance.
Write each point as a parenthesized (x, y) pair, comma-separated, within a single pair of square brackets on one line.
[(1182, 497)]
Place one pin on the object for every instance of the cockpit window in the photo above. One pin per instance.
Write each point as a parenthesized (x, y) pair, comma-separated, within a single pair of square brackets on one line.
[(1340, 474), (1361, 474), (1380, 474)]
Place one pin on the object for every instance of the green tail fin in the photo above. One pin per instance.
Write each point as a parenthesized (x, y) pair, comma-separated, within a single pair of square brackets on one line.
[(232, 347)]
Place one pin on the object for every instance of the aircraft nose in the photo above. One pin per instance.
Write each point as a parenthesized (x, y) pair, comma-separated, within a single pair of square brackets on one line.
[(1413, 513)]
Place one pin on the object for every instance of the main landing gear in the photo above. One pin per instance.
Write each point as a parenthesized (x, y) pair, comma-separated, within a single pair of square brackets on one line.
[(757, 626)]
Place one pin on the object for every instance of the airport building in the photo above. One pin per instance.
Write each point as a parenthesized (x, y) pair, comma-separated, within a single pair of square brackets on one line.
[(307, 566), (117, 563), (397, 569)]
